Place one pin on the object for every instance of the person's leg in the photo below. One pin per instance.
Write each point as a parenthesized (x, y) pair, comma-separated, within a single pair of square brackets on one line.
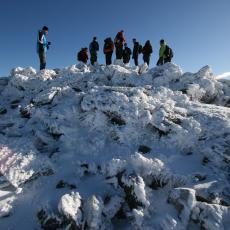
[(160, 61), (42, 57), (148, 60), (110, 58), (136, 60), (166, 60), (91, 58), (120, 52), (107, 59), (125, 60)]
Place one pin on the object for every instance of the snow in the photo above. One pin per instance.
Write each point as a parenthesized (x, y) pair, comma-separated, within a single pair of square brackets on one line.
[(70, 205), (114, 147)]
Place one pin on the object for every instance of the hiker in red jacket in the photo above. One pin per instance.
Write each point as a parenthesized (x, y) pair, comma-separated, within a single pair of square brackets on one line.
[(119, 42), (108, 50)]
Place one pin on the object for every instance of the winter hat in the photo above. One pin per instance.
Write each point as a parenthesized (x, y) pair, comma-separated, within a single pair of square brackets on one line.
[(45, 28)]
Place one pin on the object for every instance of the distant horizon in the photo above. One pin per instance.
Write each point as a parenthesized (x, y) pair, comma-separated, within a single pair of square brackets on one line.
[(195, 31)]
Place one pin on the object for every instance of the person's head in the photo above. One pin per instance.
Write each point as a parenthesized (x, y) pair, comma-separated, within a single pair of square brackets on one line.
[(125, 44), (162, 42), (94, 38), (45, 29), (134, 40), (148, 42)]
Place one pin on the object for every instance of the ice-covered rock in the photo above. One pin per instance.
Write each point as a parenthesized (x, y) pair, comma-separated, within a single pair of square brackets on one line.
[(125, 137), (211, 216), (184, 201), (92, 209), (70, 205)]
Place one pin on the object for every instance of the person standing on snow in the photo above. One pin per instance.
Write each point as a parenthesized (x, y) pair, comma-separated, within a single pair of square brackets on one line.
[(137, 49), (108, 50), (83, 55), (165, 53), (119, 42), (147, 50), (42, 46), (126, 54), (93, 49)]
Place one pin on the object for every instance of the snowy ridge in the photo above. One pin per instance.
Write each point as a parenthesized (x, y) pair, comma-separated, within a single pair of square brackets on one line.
[(114, 147)]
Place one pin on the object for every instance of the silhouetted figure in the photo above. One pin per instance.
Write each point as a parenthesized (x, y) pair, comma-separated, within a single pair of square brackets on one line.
[(42, 46), (147, 50), (137, 49), (93, 49), (126, 54), (83, 55), (108, 50), (119, 42)]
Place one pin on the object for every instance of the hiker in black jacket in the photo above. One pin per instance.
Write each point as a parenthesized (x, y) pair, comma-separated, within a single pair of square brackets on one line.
[(126, 54), (93, 49), (147, 50), (137, 49)]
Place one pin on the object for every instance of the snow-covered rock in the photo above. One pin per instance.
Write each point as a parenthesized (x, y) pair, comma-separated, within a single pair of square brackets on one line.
[(100, 143), (69, 206), (93, 212)]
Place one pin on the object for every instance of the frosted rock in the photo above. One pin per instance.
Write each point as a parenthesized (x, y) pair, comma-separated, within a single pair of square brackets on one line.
[(92, 209), (70, 205)]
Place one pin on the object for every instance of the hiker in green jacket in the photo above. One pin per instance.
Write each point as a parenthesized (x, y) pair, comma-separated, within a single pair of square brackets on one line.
[(161, 52), (165, 53)]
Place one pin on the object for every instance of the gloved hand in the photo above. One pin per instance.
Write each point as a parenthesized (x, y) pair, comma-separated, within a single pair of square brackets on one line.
[(48, 45)]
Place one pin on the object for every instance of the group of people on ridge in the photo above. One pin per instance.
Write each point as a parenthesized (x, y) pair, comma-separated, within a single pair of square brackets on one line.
[(119, 44)]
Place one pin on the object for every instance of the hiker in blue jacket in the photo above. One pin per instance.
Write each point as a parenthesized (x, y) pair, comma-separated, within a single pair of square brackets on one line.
[(42, 46)]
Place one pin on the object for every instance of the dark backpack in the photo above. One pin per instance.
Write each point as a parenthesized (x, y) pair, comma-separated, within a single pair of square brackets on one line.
[(79, 56), (168, 52)]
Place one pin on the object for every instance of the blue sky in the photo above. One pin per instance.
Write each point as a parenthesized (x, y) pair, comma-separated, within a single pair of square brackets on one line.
[(197, 30)]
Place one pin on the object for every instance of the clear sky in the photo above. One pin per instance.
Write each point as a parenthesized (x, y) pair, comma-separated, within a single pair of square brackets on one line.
[(197, 30)]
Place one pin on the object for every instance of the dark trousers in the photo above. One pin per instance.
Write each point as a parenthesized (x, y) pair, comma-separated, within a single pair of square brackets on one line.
[(146, 59), (168, 59), (126, 60), (160, 61), (93, 58), (119, 51), (108, 58), (42, 58), (135, 58)]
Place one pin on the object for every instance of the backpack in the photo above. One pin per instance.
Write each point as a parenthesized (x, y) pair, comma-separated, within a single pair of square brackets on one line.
[(140, 49), (168, 52), (79, 56)]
